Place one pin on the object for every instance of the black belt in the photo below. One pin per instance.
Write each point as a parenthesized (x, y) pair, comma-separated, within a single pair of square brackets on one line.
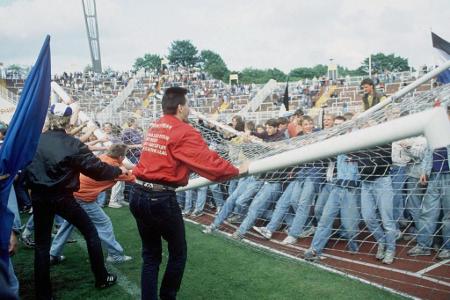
[(154, 186)]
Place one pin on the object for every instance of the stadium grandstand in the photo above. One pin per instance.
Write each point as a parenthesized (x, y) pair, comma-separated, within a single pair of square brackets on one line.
[(315, 208)]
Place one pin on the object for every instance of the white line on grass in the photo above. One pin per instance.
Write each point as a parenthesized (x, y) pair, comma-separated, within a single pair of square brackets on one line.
[(432, 267), (130, 287), (409, 273), (315, 264)]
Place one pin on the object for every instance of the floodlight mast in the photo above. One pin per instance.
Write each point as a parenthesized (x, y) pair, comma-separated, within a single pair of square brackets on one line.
[(90, 19)]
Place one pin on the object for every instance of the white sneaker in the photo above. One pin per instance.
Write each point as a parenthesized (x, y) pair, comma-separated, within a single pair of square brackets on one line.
[(388, 257), (444, 254), (209, 229), (263, 231), (237, 235), (114, 205), (308, 232), (380, 252), (118, 259), (289, 240)]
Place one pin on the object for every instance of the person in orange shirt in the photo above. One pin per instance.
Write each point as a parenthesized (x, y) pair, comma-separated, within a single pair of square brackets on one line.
[(86, 196)]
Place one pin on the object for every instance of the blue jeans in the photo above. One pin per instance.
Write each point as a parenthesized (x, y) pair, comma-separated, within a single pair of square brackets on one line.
[(13, 207), (243, 201), (101, 199), (190, 195), (437, 196), (202, 195), (288, 199), (398, 176), (304, 207), (266, 196), (344, 201), (414, 198), (322, 200), (246, 189), (232, 184), (101, 222), (14, 283), (375, 195), (181, 198)]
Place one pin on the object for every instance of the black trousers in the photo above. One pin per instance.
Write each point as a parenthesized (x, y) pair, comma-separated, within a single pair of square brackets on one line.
[(45, 206), (158, 215)]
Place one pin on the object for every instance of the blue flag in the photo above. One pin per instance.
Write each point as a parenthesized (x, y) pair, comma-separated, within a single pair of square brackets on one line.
[(442, 48), (23, 134)]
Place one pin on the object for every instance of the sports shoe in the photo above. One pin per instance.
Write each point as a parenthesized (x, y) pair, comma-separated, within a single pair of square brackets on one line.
[(118, 258), (197, 213), (289, 240), (444, 254), (110, 280), (56, 260), (237, 235), (124, 203), (308, 232), (114, 205), (27, 241), (209, 229), (380, 252), (236, 219), (388, 257), (311, 255), (263, 231), (185, 213), (419, 251)]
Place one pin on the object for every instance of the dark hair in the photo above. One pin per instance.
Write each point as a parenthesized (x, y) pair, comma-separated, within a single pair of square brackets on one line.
[(272, 123), (307, 118), (173, 97), (250, 125), (340, 118), (367, 81), (283, 120), (348, 116), (240, 125), (299, 112), (117, 150)]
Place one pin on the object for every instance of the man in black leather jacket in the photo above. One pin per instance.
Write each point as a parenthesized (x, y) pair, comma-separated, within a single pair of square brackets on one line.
[(53, 176)]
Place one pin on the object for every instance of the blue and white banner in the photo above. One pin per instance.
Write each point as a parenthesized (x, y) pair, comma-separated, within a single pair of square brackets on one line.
[(442, 48)]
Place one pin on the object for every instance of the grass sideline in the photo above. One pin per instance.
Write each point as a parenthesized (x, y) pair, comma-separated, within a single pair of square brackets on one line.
[(217, 268)]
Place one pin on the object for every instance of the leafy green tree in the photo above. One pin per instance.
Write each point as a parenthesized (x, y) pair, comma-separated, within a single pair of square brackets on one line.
[(382, 62), (303, 72), (251, 75), (21, 70), (183, 52), (148, 62), (213, 64)]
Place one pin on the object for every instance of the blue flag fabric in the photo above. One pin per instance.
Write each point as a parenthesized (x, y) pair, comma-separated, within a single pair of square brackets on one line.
[(443, 51), (23, 134)]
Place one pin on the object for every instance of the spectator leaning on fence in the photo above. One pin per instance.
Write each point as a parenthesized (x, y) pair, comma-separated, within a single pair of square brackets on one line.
[(436, 172)]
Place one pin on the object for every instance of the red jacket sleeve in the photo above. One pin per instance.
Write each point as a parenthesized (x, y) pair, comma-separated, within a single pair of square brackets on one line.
[(192, 150)]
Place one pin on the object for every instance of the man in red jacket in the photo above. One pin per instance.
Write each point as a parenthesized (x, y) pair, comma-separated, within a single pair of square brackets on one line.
[(172, 149)]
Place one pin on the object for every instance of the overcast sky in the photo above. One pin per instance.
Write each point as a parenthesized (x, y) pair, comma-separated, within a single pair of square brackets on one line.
[(248, 33)]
